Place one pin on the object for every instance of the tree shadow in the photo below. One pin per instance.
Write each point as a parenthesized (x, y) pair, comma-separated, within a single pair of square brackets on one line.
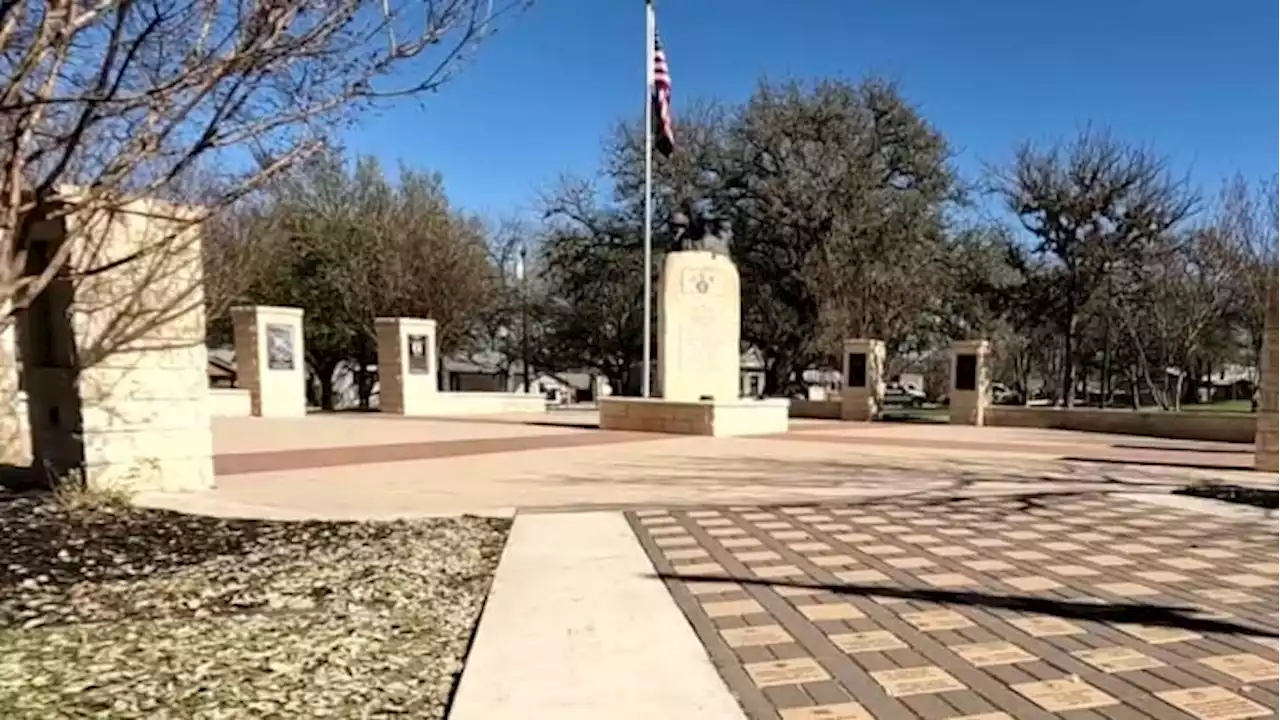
[(1171, 616), (1161, 463), (1256, 497), (1243, 450)]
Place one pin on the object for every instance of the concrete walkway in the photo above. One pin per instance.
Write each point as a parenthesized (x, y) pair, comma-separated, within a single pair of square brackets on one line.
[(360, 466), (575, 628)]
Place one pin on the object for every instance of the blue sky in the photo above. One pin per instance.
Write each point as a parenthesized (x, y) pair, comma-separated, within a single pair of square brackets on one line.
[(1195, 80)]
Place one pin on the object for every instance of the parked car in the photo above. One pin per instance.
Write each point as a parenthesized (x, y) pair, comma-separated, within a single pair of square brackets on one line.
[(908, 395)]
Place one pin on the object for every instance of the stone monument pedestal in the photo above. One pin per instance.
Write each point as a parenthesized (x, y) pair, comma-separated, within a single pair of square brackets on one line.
[(699, 351)]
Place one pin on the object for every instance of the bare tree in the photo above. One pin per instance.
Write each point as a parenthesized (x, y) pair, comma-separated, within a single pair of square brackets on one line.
[(1090, 205), (108, 102)]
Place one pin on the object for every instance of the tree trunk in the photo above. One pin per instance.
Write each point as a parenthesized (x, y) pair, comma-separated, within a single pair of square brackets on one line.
[(324, 370)]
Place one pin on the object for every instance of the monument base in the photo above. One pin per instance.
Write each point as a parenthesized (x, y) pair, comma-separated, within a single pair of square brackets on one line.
[(717, 418)]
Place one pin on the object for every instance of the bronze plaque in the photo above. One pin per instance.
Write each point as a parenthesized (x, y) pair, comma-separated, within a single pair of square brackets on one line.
[(966, 372), (857, 371), (280, 347), (419, 355)]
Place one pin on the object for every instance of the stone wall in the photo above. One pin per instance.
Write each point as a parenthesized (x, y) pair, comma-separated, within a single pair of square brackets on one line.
[(816, 409), (1219, 427), (114, 358), (718, 419), (230, 402), (14, 446)]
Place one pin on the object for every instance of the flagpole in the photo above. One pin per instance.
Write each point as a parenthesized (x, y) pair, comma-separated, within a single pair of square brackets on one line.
[(649, 30)]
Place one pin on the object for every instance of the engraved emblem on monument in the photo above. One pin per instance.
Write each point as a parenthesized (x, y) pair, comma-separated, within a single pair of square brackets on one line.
[(279, 346), (699, 281), (419, 361)]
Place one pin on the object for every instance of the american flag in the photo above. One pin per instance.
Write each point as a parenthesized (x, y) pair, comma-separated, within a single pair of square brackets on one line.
[(663, 137)]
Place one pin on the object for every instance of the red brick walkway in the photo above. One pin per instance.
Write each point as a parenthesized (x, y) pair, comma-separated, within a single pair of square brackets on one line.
[(272, 460), (983, 608)]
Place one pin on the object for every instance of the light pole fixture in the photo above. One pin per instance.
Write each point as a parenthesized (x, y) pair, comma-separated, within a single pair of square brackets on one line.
[(524, 315)]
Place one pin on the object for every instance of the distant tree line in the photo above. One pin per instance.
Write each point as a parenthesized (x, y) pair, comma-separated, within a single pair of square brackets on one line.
[(1105, 270)]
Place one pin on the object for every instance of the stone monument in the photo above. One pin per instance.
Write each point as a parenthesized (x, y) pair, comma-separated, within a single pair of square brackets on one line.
[(270, 359), (863, 395), (970, 382), (699, 346)]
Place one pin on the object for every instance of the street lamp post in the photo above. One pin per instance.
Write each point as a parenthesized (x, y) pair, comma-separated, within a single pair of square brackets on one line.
[(524, 318)]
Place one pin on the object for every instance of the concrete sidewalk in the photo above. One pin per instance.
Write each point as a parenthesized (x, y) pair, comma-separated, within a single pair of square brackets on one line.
[(576, 628)]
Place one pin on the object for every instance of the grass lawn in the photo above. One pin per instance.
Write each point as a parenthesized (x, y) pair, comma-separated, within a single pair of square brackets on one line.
[(133, 613), (1226, 406)]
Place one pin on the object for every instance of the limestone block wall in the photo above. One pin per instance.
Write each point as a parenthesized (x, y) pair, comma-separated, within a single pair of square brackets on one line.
[(863, 395), (230, 402), (719, 419), (484, 403), (114, 356), (699, 327), (1209, 426), (271, 359), (407, 366), (970, 382), (1267, 440), (15, 448), (817, 409)]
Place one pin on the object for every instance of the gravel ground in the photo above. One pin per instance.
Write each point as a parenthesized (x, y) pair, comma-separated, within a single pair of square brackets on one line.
[(145, 613)]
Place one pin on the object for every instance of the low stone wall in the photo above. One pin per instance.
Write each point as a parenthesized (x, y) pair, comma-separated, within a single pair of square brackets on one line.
[(230, 402), (717, 419), (483, 403), (816, 409), (1219, 427)]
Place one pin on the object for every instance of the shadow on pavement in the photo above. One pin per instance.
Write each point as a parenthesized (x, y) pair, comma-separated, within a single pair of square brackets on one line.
[(1133, 613), (1244, 449), (1159, 463)]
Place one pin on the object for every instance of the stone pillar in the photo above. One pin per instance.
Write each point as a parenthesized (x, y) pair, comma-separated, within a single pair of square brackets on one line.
[(699, 327), (407, 365), (863, 395), (1266, 444), (270, 359), (14, 442), (970, 381), (114, 363)]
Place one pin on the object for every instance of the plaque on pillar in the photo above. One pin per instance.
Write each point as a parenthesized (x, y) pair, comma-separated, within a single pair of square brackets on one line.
[(967, 372), (857, 371), (419, 355), (279, 346)]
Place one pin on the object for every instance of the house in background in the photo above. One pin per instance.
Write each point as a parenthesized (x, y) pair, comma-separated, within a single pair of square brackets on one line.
[(460, 373)]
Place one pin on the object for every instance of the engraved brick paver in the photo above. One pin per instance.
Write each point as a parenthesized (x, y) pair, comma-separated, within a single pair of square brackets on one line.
[(978, 608)]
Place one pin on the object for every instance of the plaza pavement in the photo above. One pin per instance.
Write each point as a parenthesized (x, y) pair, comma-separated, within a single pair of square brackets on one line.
[(839, 571)]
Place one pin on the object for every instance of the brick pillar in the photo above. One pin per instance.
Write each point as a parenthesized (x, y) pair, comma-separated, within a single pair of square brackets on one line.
[(407, 365), (270, 359), (1266, 442), (863, 396), (970, 381)]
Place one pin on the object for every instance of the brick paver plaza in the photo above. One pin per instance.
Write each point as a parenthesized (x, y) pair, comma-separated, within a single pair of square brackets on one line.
[(929, 606)]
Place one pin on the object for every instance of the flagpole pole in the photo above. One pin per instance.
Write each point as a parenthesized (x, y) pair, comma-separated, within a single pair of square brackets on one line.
[(649, 30)]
